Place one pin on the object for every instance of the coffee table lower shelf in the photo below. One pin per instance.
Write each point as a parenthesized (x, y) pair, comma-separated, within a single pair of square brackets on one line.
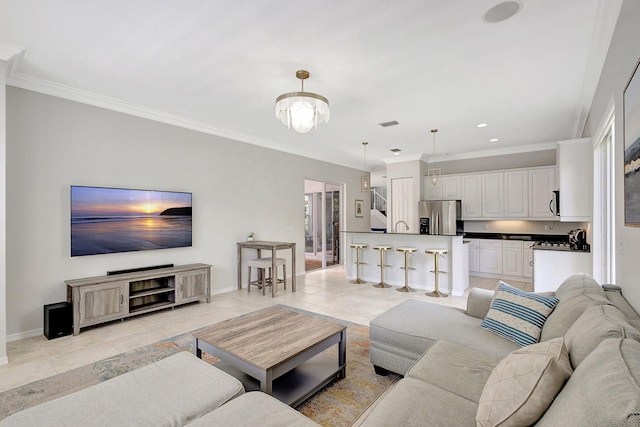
[(297, 385)]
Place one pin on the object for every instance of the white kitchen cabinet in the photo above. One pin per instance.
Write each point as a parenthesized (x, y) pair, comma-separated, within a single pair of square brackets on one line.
[(575, 169), (516, 194), (512, 257), (452, 187), (541, 186), (490, 258), (551, 268), (527, 259), (471, 196), (449, 187), (474, 255), (493, 195)]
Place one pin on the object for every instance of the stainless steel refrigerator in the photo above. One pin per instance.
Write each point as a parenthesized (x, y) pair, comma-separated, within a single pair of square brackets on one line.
[(440, 217)]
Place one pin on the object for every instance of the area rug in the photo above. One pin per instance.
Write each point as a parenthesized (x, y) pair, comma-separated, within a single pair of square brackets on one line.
[(339, 404)]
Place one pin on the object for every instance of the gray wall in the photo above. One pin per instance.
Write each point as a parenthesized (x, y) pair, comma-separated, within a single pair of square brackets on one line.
[(237, 188), (622, 58)]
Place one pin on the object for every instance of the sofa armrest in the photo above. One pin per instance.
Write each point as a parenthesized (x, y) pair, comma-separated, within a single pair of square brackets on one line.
[(478, 302)]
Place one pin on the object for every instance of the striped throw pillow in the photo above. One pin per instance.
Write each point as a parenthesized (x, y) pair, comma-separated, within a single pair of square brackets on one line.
[(518, 315)]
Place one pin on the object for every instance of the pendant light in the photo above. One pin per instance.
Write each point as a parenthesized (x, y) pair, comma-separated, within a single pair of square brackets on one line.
[(364, 180), (434, 174)]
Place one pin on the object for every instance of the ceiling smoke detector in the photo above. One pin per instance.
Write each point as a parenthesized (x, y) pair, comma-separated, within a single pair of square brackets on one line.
[(502, 11)]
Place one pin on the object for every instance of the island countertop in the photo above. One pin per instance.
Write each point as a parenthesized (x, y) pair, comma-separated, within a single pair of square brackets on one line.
[(455, 281)]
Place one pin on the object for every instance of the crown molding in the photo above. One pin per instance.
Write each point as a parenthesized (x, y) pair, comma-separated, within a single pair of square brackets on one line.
[(607, 13), (497, 152), (11, 54), (47, 87)]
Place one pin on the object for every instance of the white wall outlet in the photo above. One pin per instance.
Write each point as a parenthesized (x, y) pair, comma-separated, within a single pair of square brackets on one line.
[(486, 226), (546, 228)]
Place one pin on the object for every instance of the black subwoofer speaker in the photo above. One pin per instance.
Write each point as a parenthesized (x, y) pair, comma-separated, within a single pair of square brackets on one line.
[(58, 320)]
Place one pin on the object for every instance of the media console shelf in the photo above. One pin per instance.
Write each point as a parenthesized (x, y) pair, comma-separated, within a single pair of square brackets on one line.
[(105, 298)]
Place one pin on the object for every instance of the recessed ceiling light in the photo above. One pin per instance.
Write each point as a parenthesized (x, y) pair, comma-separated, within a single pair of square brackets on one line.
[(502, 11), (482, 125), (494, 140), (396, 151)]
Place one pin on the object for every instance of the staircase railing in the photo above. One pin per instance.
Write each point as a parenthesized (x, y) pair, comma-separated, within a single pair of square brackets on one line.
[(378, 201)]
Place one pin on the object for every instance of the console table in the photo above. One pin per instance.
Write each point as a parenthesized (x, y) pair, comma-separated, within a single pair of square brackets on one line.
[(260, 245), (102, 299)]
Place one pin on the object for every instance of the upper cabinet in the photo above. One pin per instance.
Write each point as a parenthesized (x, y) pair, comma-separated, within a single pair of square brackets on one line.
[(493, 195), (516, 192), (541, 185), (575, 180), (509, 194)]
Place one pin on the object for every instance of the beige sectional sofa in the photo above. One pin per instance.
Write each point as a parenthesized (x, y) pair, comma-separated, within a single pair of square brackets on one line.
[(584, 372), (592, 335)]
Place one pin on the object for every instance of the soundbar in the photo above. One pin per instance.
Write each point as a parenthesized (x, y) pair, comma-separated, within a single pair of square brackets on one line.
[(135, 270)]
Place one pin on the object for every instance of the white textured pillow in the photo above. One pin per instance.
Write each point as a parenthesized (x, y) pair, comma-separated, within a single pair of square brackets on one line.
[(522, 386)]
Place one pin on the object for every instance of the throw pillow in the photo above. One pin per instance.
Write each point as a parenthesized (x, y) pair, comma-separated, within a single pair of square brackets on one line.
[(518, 315), (524, 384)]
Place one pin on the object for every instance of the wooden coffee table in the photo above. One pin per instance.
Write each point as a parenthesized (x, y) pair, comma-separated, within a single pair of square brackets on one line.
[(277, 351)]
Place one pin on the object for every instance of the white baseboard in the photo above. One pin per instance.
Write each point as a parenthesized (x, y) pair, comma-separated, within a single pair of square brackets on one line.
[(23, 335), (4, 360)]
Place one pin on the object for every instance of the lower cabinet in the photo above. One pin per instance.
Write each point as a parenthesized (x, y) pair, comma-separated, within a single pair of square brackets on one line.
[(512, 258), (192, 286), (102, 299), (491, 256), (474, 255), (102, 303)]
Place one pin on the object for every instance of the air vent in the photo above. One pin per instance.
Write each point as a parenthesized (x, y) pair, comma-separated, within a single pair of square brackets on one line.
[(387, 124), (395, 151)]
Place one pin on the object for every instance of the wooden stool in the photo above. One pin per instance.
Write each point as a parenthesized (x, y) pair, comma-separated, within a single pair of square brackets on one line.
[(357, 247), (382, 249), (406, 268), (436, 271), (264, 279)]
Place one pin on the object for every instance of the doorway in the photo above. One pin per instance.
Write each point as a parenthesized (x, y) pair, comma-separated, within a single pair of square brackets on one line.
[(322, 207)]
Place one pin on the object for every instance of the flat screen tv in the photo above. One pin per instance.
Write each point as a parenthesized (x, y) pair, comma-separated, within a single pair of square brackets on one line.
[(111, 220)]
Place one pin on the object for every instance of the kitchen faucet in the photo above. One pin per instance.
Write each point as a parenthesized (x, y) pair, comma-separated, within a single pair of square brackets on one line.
[(395, 228)]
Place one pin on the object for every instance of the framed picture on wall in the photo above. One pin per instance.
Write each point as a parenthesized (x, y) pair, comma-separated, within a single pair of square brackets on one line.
[(631, 108), (359, 208)]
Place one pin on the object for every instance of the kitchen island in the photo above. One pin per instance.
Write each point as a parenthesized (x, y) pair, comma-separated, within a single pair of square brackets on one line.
[(455, 282)]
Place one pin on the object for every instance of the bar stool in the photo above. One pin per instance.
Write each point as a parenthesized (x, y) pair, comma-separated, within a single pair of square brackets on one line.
[(264, 279), (436, 271), (383, 249), (357, 247), (406, 268)]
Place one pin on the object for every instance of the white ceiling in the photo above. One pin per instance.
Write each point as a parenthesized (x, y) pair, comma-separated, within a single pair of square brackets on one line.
[(218, 65)]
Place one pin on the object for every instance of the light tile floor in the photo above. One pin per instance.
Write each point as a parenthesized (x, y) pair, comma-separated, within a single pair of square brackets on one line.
[(322, 291)]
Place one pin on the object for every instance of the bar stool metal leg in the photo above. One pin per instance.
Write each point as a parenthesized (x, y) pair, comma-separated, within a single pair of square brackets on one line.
[(357, 280), (436, 271), (382, 283), (406, 287)]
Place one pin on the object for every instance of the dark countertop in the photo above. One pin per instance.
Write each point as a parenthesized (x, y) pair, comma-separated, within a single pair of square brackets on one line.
[(509, 236)]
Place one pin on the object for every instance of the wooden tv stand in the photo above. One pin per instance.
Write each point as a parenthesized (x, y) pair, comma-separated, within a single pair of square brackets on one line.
[(102, 299)]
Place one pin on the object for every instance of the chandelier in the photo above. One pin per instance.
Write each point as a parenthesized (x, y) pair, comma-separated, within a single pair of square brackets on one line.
[(302, 110)]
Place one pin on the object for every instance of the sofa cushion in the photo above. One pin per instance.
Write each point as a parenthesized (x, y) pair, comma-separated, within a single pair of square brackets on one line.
[(596, 323), (576, 293), (615, 297), (254, 409), (456, 368), (413, 402), (169, 392), (604, 390), (400, 335), (523, 385), (518, 315)]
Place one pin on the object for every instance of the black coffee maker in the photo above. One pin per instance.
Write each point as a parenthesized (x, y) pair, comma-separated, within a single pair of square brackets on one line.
[(424, 225), (578, 239)]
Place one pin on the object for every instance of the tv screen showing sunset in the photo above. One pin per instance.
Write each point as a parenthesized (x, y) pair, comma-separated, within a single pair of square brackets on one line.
[(110, 220)]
